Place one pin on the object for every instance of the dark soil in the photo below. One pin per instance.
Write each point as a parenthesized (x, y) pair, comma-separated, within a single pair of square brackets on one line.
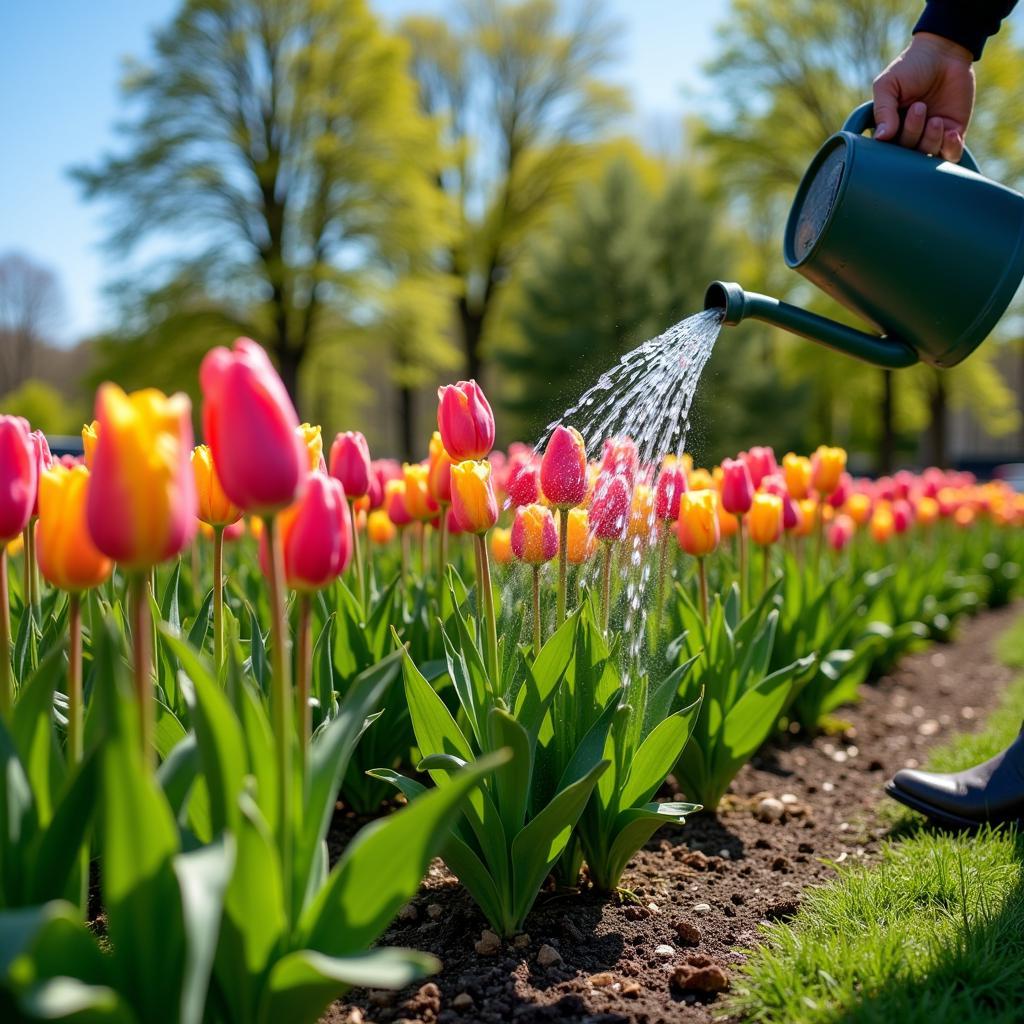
[(702, 890)]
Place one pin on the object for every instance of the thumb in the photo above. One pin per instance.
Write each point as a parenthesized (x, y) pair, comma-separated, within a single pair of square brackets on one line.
[(887, 113)]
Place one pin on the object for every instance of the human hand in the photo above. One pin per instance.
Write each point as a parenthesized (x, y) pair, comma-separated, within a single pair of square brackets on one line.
[(933, 80)]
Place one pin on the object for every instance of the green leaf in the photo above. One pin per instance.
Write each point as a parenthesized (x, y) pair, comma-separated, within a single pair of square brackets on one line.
[(200, 629), (302, 984), (47, 940), (540, 843), (383, 866), (632, 828), (19, 821), (257, 652), (177, 773), (512, 780), (657, 756)]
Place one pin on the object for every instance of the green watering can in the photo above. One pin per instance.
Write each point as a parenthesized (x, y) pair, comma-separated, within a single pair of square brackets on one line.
[(928, 252)]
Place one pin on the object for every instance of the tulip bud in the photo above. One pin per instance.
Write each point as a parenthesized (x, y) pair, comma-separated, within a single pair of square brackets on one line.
[(67, 556), (90, 434), (19, 476), (41, 452), (620, 457), (439, 472), (523, 484), (669, 492), (728, 524), (252, 429), (927, 510), (501, 545), (881, 524), (700, 480), (841, 532), (609, 511), (827, 465), (214, 506), (737, 487), (379, 527), (964, 516), (580, 540), (761, 462), (641, 513), (394, 503), (697, 529), (902, 515), (563, 469), (837, 499), (316, 535), (473, 501), (765, 521), (350, 464), (774, 483), (808, 517), (313, 441), (420, 505), (858, 507), (142, 491), (465, 421), (534, 536), (797, 472)]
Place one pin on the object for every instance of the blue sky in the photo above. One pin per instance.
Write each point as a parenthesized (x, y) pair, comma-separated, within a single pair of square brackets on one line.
[(61, 60)]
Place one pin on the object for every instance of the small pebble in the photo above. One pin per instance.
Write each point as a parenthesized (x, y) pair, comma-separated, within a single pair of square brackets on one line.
[(688, 933), (664, 950), (521, 941), (434, 911), (602, 980), (770, 810), (463, 1001), (789, 799), (548, 956), (408, 913), (702, 908), (488, 944)]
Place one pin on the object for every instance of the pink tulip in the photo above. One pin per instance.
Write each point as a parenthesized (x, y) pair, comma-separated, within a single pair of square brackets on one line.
[(620, 457), (609, 511), (668, 493), (44, 460), (902, 515), (841, 531), (523, 484), (252, 429), (350, 463), (838, 498), (737, 487), (761, 462), (534, 535), (563, 469), (19, 476), (465, 421)]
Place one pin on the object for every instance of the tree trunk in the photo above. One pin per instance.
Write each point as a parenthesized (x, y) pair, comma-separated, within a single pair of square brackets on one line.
[(937, 432), (289, 360), (406, 420), (472, 332), (887, 431)]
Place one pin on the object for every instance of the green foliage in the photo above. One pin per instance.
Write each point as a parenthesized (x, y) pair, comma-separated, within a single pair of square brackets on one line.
[(44, 407)]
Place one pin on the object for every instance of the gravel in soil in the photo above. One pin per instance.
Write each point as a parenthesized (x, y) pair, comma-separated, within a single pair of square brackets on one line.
[(795, 811)]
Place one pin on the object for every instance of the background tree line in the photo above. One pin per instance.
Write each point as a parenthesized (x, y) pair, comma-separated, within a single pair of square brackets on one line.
[(388, 206)]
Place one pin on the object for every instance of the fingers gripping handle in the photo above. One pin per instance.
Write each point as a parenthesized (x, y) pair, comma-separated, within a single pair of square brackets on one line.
[(863, 118)]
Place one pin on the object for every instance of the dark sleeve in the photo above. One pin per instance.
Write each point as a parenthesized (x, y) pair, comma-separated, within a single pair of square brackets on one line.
[(967, 22)]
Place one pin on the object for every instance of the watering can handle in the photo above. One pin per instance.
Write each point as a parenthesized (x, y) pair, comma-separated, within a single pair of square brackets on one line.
[(863, 118)]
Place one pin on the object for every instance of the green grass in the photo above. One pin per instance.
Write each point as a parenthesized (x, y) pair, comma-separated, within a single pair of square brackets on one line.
[(933, 933)]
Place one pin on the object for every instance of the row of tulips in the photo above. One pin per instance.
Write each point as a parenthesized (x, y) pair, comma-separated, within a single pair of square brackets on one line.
[(545, 729)]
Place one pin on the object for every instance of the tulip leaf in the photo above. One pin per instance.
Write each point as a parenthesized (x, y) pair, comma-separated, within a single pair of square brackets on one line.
[(200, 629), (19, 821), (257, 652), (512, 780), (63, 998)]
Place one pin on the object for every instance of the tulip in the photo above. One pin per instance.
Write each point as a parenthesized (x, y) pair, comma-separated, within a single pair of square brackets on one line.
[(563, 468), (808, 517), (534, 536), (902, 515), (394, 503), (473, 500), (501, 545), (523, 484), (964, 516), (766, 519), (19, 477), (881, 524), (534, 540), (642, 518), (796, 469), (609, 511), (379, 527), (439, 477), (421, 506), (90, 435), (698, 533), (737, 487), (252, 429), (214, 506), (728, 524), (827, 465), (841, 532), (465, 421), (581, 542), (927, 511), (700, 480), (41, 451), (669, 492), (313, 441), (761, 462), (837, 499), (774, 483), (858, 508), (620, 458), (70, 560), (350, 464)]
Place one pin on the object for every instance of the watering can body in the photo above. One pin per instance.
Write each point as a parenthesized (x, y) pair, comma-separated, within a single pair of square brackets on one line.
[(929, 253)]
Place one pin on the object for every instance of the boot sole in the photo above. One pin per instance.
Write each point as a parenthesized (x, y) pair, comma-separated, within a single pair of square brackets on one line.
[(942, 818)]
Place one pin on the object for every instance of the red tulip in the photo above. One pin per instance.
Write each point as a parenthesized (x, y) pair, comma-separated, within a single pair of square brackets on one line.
[(737, 487), (841, 531), (668, 493), (523, 484), (609, 511), (19, 477), (465, 420), (902, 515), (563, 469), (316, 535), (252, 429), (839, 497), (620, 457), (350, 463)]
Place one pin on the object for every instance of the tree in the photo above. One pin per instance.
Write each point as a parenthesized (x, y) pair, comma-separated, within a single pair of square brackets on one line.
[(788, 74), (45, 408), (283, 140), (31, 306), (515, 88)]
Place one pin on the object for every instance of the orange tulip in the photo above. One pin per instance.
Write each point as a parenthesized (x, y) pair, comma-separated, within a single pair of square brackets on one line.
[(68, 558), (641, 513), (858, 508), (728, 524), (765, 519), (808, 517), (827, 467), (421, 506), (701, 480), (697, 529), (142, 492), (501, 545), (379, 527), (797, 471), (964, 516), (927, 511), (882, 525), (215, 507), (473, 502), (580, 540), (439, 477), (90, 433)]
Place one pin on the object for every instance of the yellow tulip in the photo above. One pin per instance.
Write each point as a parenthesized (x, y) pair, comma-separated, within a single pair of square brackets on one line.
[(67, 556), (214, 506)]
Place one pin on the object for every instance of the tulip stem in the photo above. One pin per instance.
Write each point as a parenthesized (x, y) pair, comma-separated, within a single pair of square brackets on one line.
[(702, 577), (744, 580), (357, 558), (404, 530), (6, 687), (423, 552), (304, 666), (536, 612), (142, 655), (663, 552), (195, 571), (29, 556), (563, 563), (442, 547), (765, 565), (488, 605), (819, 545), (606, 587), (75, 745), (218, 598), (281, 702)]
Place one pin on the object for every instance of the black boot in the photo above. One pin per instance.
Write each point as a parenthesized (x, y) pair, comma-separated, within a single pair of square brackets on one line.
[(991, 793)]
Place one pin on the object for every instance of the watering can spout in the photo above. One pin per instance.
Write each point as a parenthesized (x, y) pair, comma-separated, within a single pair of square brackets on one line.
[(738, 305)]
